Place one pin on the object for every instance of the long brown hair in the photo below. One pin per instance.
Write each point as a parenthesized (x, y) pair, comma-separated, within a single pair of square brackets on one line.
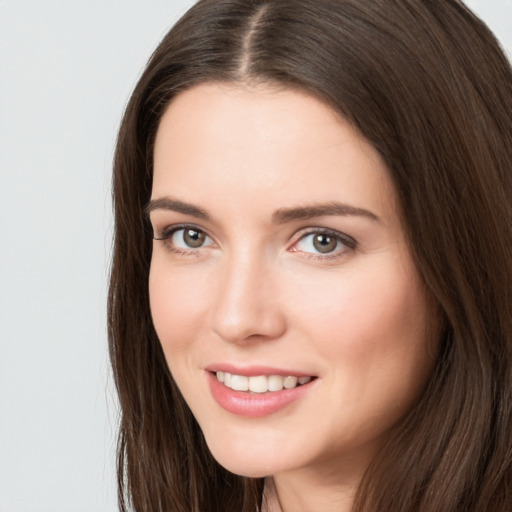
[(427, 84)]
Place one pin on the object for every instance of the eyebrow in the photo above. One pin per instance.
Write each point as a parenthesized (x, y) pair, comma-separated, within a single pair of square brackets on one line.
[(280, 216), (166, 203), (284, 215)]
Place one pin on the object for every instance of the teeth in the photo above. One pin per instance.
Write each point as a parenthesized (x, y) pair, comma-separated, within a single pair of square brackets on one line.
[(240, 383), (290, 382), (260, 383), (275, 383)]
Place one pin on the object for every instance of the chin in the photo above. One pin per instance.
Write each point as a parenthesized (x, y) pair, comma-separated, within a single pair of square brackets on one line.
[(247, 470), (248, 460)]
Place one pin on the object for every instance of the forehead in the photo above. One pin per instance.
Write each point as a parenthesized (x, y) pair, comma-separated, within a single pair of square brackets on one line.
[(267, 144)]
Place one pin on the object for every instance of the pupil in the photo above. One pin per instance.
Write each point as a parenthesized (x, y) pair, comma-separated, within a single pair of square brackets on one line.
[(193, 238), (324, 243)]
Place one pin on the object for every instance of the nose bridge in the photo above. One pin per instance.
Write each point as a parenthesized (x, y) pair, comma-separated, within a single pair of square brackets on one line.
[(246, 301)]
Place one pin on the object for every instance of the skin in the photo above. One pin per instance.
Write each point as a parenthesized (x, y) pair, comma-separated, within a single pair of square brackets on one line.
[(259, 292)]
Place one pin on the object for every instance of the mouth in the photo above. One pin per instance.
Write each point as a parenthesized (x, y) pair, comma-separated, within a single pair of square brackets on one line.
[(261, 384), (262, 391)]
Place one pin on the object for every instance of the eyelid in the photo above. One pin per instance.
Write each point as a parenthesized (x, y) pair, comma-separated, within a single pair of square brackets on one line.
[(169, 230), (166, 238), (349, 242)]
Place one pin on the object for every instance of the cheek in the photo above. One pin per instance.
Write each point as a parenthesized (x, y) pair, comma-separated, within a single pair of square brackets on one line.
[(361, 309), (372, 327), (386, 315), (178, 302), (387, 345)]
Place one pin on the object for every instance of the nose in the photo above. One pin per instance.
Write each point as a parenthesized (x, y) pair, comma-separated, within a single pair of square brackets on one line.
[(247, 306)]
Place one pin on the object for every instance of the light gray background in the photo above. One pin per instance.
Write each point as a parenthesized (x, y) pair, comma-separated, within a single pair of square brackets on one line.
[(66, 70)]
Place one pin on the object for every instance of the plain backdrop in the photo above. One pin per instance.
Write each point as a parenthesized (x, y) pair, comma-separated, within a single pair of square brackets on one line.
[(66, 70)]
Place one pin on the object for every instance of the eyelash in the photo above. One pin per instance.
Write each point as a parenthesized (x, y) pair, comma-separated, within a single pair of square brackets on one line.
[(166, 238), (349, 243)]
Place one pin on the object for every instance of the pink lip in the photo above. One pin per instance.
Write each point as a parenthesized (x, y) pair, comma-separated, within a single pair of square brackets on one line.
[(254, 371), (255, 405)]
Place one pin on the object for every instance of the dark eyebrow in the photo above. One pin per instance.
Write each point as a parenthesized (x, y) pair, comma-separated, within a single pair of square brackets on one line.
[(284, 215), (166, 203), (280, 216)]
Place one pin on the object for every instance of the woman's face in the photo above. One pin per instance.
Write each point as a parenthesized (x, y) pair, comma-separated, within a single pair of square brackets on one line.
[(280, 267)]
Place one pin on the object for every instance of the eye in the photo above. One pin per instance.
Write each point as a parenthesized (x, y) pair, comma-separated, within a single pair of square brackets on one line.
[(324, 243), (185, 238), (189, 238)]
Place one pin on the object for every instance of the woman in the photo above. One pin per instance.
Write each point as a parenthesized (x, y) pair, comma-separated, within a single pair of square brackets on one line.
[(310, 302)]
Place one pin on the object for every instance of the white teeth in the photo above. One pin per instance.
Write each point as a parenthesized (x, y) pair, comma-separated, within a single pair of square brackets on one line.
[(290, 382), (275, 383), (240, 383), (260, 383)]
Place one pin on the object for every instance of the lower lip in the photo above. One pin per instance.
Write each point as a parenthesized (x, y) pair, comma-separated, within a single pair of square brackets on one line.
[(255, 405)]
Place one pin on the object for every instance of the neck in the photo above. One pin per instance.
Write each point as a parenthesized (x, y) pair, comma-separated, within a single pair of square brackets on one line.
[(300, 492)]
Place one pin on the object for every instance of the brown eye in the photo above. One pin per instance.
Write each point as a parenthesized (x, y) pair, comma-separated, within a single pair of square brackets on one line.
[(324, 243), (193, 238), (185, 238)]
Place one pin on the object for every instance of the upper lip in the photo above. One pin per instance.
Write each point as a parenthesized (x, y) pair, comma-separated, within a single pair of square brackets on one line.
[(255, 370)]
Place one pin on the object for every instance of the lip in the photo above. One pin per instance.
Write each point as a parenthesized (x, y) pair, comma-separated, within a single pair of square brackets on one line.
[(255, 370), (255, 405)]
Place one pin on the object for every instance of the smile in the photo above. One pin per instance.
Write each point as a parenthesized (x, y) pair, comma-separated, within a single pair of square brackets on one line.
[(260, 383), (259, 394)]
